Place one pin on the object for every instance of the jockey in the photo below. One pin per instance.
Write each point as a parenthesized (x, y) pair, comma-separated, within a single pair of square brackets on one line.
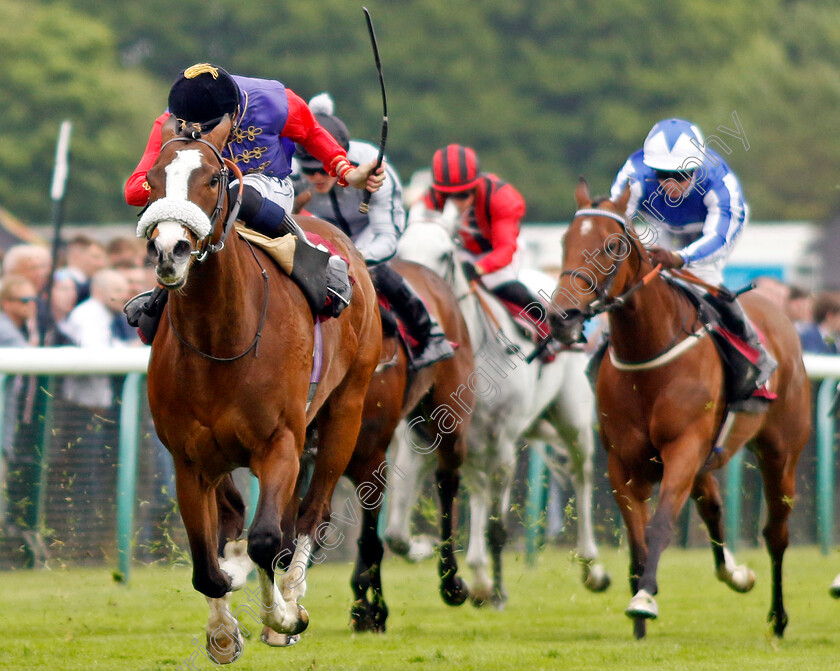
[(695, 204), (490, 213), (268, 119), (375, 234)]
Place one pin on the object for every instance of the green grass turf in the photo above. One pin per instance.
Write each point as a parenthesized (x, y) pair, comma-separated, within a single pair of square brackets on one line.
[(79, 618)]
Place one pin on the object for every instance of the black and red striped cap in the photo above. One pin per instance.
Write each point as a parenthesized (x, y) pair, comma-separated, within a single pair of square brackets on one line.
[(454, 168)]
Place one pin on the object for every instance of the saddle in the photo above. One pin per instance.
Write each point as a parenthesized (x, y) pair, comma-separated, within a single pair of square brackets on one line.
[(534, 329), (324, 285), (738, 357), (393, 331)]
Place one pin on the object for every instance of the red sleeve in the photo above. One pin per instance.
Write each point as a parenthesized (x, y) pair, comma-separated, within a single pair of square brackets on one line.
[(136, 188), (302, 127), (507, 208)]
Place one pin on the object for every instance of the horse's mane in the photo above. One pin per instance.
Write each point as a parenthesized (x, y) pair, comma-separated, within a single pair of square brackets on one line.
[(597, 201)]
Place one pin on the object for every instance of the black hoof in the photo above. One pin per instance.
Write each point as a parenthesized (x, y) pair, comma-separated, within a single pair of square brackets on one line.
[(454, 592), (398, 546), (778, 623), (303, 621), (365, 616)]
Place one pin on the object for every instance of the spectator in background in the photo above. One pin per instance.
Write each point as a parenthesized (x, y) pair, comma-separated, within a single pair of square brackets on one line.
[(137, 281), (63, 299), (800, 307), (90, 325), (31, 261), (85, 257), (126, 252), (772, 289), (820, 336), (18, 303)]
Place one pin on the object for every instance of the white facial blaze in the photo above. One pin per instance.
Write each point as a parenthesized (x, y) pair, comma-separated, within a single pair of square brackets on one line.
[(178, 173), (586, 226)]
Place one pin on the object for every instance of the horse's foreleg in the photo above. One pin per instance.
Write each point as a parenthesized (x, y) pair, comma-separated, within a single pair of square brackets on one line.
[(277, 470), (231, 511), (631, 497), (402, 492), (778, 472), (682, 462), (369, 613), (581, 448), (706, 495), (452, 588), (197, 503), (496, 531), (481, 591)]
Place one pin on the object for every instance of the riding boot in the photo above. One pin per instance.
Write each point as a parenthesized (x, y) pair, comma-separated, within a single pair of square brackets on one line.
[(531, 310), (432, 344), (736, 321), (271, 220), (144, 311)]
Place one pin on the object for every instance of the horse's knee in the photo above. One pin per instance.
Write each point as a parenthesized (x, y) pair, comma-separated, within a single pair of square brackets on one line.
[(264, 546), (214, 584)]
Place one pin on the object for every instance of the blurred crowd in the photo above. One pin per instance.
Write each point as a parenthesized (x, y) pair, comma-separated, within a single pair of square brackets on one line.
[(79, 304), (816, 316)]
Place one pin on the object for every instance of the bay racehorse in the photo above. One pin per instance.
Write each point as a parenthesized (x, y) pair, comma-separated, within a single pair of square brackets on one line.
[(515, 401), (440, 396), (229, 379), (438, 400), (661, 401)]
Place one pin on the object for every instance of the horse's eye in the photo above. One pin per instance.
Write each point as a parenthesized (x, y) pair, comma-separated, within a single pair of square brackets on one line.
[(214, 181)]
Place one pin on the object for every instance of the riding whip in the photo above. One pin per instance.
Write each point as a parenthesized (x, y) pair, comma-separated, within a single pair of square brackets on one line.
[(365, 205)]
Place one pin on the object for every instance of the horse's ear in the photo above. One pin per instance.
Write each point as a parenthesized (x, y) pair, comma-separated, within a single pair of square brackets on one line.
[(219, 135), (623, 199), (169, 129), (582, 197)]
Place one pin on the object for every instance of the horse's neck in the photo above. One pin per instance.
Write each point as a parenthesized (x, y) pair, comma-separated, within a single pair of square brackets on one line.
[(650, 321), (220, 292)]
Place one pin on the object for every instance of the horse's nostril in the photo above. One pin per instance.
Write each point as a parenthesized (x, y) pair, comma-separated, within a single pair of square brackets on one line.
[(181, 250), (152, 252)]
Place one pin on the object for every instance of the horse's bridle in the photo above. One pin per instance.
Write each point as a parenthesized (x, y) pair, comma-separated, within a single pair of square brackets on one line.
[(207, 248), (226, 167), (604, 302)]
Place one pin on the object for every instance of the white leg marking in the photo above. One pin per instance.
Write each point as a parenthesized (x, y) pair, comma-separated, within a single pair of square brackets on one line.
[(237, 564)]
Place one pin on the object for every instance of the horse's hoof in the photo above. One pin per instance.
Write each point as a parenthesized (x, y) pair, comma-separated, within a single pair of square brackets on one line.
[(741, 579), (421, 548), (778, 622), (368, 618), (454, 592), (222, 647), (399, 546), (481, 596), (302, 621), (595, 577), (642, 605), (277, 640), (834, 590), (499, 600)]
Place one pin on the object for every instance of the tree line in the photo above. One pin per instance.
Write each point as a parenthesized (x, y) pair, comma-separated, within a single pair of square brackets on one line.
[(544, 90)]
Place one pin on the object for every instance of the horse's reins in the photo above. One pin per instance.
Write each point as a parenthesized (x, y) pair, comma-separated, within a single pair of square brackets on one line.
[(207, 248), (676, 347), (604, 302)]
